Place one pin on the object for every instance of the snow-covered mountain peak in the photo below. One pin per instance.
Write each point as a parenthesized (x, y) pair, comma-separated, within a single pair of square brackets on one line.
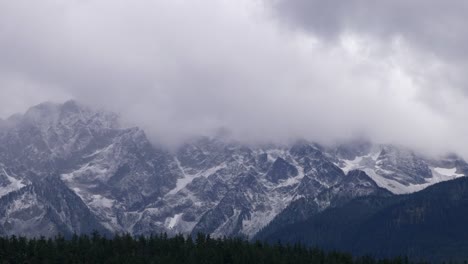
[(401, 170), (43, 114), (69, 113), (123, 183)]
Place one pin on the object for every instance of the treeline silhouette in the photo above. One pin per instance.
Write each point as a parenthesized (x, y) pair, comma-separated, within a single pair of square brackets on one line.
[(168, 250)]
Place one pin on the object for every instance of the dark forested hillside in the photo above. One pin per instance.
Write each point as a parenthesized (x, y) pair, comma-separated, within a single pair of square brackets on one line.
[(161, 249), (431, 224)]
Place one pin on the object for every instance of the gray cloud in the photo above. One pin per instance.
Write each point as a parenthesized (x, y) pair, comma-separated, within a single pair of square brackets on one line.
[(435, 28), (433, 35), (179, 68), (439, 26)]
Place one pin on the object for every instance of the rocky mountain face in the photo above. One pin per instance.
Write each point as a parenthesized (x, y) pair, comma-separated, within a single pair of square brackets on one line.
[(46, 207), (68, 168)]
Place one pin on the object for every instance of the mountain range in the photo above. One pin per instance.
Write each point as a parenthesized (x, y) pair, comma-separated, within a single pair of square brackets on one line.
[(68, 168)]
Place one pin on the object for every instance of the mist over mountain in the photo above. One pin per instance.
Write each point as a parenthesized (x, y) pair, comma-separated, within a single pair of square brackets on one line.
[(263, 69), (69, 168)]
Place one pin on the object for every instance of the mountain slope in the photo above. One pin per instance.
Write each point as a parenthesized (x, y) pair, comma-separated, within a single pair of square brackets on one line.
[(356, 184), (430, 224), (46, 207), (210, 185)]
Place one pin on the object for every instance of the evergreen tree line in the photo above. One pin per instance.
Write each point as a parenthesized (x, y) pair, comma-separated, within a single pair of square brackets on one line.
[(168, 250)]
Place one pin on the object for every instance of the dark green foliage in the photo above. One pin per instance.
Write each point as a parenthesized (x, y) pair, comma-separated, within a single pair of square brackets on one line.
[(161, 249)]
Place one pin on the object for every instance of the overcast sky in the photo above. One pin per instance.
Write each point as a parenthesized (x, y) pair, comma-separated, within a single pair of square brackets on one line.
[(393, 71)]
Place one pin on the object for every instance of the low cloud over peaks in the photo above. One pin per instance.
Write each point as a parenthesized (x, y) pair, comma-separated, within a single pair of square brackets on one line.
[(264, 70)]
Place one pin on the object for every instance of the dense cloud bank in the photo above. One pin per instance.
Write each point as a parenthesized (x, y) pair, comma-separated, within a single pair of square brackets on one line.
[(264, 70)]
